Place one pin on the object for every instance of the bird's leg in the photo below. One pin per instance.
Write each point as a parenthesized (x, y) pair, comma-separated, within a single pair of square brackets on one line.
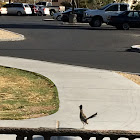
[(84, 125)]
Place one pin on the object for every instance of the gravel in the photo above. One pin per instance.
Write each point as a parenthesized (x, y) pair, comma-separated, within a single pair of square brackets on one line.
[(133, 77)]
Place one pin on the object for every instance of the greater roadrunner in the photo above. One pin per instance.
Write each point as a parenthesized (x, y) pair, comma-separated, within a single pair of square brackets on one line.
[(83, 118)]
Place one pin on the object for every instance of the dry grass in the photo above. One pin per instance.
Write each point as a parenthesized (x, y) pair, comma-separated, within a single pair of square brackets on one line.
[(4, 34), (135, 78), (25, 95)]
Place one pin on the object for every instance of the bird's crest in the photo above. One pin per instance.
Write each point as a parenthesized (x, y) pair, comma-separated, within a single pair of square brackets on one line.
[(80, 106)]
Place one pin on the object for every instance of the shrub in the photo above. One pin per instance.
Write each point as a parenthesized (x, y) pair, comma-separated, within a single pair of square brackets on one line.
[(137, 7)]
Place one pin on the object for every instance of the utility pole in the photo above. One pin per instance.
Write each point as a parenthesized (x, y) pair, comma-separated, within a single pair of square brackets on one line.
[(73, 6), (72, 16)]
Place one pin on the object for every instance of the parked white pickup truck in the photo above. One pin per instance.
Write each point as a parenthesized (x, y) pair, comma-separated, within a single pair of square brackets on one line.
[(95, 18), (52, 9)]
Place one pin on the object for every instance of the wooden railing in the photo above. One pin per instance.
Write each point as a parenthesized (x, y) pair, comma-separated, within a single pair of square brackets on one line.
[(84, 134)]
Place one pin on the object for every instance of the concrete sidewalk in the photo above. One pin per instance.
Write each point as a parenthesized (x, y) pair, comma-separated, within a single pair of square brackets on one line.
[(115, 98)]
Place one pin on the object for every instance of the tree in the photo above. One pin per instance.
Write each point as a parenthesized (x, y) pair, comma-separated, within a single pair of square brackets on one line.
[(66, 4), (137, 7), (95, 4)]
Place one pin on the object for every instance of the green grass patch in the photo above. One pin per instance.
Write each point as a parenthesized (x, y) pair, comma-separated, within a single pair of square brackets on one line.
[(26, 95)]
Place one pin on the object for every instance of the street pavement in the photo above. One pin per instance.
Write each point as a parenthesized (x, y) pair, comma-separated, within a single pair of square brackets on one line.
[(112, 96), (103, 48)]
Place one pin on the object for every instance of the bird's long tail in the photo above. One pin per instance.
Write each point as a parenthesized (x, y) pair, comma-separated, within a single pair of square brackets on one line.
[(91, 116)]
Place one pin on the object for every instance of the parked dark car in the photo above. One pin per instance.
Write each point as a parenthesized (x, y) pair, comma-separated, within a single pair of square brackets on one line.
[(78, 11), (34, 8), (126, 20)]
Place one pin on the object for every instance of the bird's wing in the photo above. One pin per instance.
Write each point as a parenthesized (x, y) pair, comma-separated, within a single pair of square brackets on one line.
[(83, 116), (91, 116)]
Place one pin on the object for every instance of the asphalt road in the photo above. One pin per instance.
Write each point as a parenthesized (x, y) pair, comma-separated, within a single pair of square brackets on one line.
[(52, 41)]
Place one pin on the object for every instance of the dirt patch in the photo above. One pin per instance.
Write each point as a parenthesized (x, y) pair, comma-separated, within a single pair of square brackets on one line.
[(6, 35)]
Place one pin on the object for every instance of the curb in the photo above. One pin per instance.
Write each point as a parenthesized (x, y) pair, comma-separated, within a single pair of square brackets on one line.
[(77, 23), (135, 47), (21, 37), (67, 23), (48, 19)]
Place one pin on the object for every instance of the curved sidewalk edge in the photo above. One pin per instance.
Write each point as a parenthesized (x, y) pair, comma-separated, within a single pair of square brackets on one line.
[(6, 35), (115, 98)]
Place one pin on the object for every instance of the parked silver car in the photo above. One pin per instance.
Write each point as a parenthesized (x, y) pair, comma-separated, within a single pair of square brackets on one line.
[(16, 9)]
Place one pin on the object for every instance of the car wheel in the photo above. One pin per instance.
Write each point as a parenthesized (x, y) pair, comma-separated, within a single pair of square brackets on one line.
[(96, 22), (118, 27), (125, 26), (58, 18), (52, 12), (79, 19), (39, 13), (19, 13), (65, 19), (91, 24)]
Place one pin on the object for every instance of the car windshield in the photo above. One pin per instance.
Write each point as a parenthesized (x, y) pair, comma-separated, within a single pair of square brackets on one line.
[(76, 9), (5, 5), (26, 5), (104, 7)]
